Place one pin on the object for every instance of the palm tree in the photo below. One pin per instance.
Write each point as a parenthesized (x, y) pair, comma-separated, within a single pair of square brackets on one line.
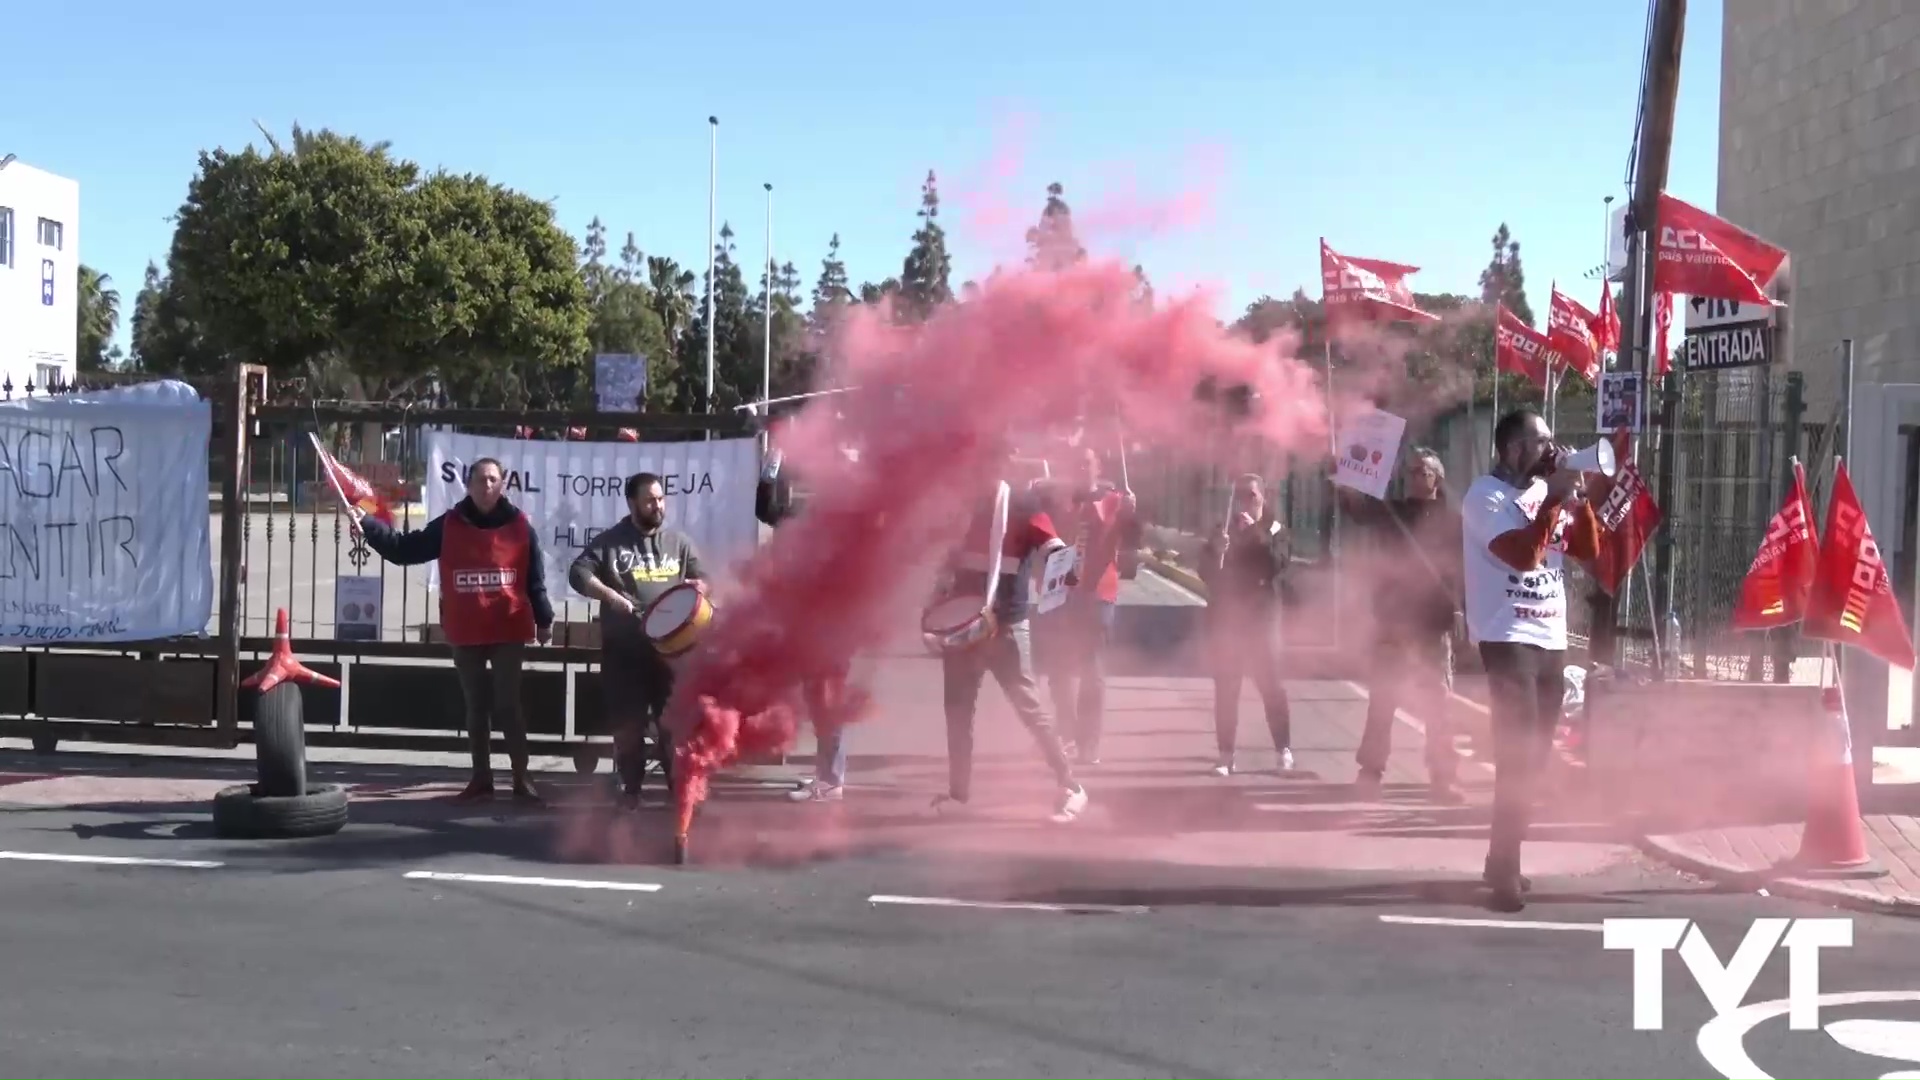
[(99, 318), (672, 295)]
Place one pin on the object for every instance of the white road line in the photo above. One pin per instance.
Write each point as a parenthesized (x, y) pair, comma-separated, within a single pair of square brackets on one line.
[(1495, 924), (548, 882), (109, 860), (1011, 905), (1174, 585)]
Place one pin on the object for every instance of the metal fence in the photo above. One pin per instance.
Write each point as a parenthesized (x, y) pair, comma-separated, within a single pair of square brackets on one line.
[(1735, 435)]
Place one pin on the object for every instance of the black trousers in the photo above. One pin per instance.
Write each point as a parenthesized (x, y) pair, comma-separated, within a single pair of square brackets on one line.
[(1416, 671), (1525, 686), (1008, 656), (490, 685), (635, 683), (1242, 648)]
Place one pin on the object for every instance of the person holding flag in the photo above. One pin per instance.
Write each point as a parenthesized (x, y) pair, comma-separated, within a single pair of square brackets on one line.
[(493, 601), (1099, 521)]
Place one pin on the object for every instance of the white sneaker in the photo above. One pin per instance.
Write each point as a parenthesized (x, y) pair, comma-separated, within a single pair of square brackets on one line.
[(1224, 768), (1286, 761), (1072, 804), (815, 791), (948, 806)]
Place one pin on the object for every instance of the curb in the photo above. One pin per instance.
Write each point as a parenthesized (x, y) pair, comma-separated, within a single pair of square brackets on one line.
[(1839, 894), (1180, 576)]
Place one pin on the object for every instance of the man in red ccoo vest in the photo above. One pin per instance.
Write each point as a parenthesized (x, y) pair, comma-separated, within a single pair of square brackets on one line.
[(493, 601)]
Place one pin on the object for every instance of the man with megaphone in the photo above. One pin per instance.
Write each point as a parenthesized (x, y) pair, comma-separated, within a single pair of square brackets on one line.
[(1520, 523)]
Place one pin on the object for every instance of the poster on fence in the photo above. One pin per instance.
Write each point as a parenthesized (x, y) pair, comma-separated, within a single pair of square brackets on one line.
[(356, 607), (1369, 445), (104, 525), (571, 491)]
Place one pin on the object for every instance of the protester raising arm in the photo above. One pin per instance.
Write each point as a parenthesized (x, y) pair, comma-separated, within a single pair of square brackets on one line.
[(1525, 548), (408, 548)]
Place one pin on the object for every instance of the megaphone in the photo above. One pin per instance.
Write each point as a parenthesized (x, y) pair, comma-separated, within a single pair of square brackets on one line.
[(1597, 458)]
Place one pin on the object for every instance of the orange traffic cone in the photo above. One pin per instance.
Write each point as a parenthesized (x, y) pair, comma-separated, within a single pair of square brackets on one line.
[(281, 666), (1834, 842)]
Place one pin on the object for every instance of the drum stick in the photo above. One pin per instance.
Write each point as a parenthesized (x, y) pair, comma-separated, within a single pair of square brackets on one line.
[(996, 542)]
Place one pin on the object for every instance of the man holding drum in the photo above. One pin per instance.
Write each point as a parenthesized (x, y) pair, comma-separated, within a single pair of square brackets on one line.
[(626, 568), (980, 627)]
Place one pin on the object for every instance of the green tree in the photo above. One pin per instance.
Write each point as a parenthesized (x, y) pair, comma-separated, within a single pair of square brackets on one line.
[(165, 340), (924, 276), (736, 368), (1502, 282), (340, 261), (625, 318), (98, 303), (1051, 244), (830, 290)]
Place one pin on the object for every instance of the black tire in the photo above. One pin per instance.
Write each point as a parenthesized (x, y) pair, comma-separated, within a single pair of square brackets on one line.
[(585, 760), (280, 742), (45, 744), (241, 812)]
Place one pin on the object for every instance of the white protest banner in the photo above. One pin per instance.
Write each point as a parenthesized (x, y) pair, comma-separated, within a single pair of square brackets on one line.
[(571, 491), (1053, 578), (1369, 445), (104, 528)]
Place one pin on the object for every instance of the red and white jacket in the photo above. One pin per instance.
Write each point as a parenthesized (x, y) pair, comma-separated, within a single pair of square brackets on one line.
[(1030, 538)]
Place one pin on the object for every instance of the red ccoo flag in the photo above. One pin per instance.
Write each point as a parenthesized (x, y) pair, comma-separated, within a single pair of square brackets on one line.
[(1367, 290), (1606, 324), (1570, 331), (1780, 580), (1697, 254), (1521, 349), (1852, 601), (357, 496), (1628, 518)]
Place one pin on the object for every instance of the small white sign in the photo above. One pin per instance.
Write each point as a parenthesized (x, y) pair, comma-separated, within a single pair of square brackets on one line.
[(356, 615), (1053, 578), (1368, 447)]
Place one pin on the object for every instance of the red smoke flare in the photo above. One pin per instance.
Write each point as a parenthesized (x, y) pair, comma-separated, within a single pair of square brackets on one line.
[(940, 405)]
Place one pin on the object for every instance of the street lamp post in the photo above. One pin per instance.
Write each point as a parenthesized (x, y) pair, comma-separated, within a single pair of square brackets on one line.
[(766, 356), (713, 203)]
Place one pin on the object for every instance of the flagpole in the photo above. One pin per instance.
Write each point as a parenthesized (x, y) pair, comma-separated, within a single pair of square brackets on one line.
[(1333, 450), (713, 205)]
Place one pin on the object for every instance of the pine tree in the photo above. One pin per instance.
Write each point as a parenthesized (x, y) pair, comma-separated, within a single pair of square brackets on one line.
[(1503, 281), (1052, 244), (924, 275)]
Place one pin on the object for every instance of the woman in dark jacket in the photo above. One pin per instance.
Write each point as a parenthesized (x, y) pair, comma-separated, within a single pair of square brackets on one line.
[(1244, 568), (493, 601), (1416, 578)]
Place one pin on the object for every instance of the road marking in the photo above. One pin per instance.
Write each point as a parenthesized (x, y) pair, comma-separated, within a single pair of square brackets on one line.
[(1496, 924), (1723, 1039), (1174, 585), (109, 860), (1011, 905), (548, 882)]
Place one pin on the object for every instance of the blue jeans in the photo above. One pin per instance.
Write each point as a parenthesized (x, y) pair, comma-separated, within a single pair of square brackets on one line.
[(830, 745)]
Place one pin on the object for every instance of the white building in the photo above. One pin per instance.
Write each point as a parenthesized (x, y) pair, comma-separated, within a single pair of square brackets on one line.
[(39, 275)]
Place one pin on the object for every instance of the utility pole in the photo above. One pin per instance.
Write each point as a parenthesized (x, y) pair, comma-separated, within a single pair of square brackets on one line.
[(1664, 41)]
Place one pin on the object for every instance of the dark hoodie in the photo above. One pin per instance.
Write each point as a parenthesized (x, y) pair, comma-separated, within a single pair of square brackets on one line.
[(415, 548)]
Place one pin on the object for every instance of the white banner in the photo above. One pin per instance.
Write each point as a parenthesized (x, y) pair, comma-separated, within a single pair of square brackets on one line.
[(1369, 445), (104, 524), (573, 490)]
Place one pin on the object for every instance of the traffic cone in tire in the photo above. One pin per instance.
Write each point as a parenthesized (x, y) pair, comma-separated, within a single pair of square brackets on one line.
[(1834, 842), (281, 665)]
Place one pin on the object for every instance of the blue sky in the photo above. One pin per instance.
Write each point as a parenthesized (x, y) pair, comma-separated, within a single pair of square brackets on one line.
[(1400, 129)]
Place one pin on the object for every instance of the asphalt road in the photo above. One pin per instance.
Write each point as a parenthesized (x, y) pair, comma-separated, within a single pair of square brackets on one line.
[(1259, 926)]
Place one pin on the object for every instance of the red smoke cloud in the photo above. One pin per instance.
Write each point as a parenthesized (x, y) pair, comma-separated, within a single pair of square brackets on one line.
[(940, 404)]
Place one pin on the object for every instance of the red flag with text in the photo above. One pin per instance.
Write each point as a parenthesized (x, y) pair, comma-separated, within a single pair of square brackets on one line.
[(1628, 518), (1367, 290), (1697, 254), (1570, 331), (356, 494), (1662, 322), (1852, 601), (1521, 349), (1780, 580)]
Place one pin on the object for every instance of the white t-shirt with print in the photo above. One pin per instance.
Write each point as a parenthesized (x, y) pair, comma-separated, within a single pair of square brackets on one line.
[(1527, 607)]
